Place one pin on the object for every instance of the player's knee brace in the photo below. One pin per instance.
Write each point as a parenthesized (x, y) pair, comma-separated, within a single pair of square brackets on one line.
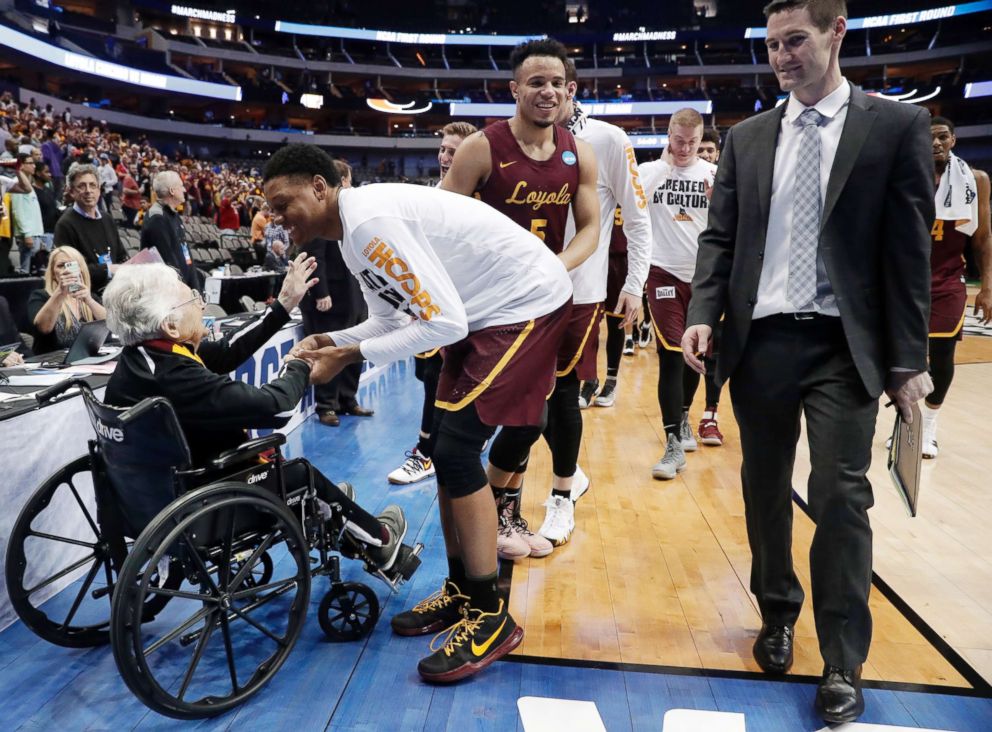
[(457, 451), (511, 448)]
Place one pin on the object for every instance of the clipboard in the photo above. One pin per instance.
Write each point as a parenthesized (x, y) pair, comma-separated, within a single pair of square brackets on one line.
[(906, 457)]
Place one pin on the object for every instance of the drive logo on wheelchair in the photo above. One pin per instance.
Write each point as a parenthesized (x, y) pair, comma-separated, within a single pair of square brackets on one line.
[(257, 478), (110, 433)]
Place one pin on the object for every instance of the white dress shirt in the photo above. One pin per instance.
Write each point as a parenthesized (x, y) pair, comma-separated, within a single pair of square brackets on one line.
[(773, 286)]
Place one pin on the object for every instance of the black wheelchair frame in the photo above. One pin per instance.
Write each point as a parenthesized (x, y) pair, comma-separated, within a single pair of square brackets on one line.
[(207, 549)]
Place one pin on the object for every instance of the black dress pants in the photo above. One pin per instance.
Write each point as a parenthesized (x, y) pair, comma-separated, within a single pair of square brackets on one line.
[(792, 367)]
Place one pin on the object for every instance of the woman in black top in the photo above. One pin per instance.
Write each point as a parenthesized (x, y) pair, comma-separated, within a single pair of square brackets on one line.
[(158, 318), (58, 312)]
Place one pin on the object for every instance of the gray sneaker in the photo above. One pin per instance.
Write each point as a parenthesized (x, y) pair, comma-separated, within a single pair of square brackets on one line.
[(672, 462), (395, 522), (325, 509), (686, 435), (348, 489)]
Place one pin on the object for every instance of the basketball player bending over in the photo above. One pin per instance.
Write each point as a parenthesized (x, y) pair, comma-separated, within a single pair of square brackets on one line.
[(438, 269)]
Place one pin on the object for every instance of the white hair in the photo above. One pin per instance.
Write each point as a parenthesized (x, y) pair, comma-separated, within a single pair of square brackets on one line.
[(139, 300), (162, 182)]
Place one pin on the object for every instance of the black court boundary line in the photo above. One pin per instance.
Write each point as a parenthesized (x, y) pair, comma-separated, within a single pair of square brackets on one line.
[(980, 687), (957, 662), (712, 673)]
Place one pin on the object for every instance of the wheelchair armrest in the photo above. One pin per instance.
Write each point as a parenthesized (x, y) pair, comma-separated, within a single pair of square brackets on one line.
[(247, 449)]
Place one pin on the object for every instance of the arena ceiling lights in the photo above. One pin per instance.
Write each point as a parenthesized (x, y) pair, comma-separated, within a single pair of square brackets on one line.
[(891, 19), (384, 105), (608, 109), (907, 97), (385, 36), (31, 46), (978, 89)]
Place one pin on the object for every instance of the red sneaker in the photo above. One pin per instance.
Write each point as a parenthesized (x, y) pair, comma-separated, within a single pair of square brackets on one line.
[(709, 432)]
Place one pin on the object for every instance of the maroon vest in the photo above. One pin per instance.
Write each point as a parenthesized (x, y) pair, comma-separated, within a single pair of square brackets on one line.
[(946, 256), (536, 194)]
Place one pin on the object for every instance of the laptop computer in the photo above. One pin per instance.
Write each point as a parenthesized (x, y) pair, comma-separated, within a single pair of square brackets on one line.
[(86, 347)]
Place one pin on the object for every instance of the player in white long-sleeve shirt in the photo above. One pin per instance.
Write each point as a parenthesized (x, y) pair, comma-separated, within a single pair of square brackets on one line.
[(440, 269), (678, 202), (427, 366), (617, 182)]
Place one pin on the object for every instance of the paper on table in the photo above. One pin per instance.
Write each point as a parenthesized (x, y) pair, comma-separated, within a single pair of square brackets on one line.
[(6, 396), (107, 367), (36, 379)]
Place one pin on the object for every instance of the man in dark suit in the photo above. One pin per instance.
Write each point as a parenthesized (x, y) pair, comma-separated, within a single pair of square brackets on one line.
[(816, 253), (335, 303)]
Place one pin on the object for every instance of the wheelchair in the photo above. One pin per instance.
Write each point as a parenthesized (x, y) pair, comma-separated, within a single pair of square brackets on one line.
[(199, 578)]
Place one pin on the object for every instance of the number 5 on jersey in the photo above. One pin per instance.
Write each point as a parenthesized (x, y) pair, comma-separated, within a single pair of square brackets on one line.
[(537, 227)]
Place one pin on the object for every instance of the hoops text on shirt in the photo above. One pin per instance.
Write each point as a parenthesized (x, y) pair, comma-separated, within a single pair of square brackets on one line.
[(395, 268)]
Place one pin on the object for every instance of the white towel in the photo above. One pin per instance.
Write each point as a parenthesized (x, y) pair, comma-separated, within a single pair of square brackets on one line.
[(957, 196)]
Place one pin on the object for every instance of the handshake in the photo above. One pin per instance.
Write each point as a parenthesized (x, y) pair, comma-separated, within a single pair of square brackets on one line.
[(324, 357)]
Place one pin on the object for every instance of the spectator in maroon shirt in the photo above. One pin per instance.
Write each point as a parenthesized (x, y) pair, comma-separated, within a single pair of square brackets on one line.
[(227, 214)]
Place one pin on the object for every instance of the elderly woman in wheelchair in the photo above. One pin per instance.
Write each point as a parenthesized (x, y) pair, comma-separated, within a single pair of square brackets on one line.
[(205, 549)]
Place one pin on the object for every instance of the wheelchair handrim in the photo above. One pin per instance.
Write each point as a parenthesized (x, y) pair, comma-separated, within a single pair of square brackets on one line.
[(128, 641)]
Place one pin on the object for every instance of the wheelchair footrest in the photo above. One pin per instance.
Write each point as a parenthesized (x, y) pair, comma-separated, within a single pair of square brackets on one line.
[(407, 561)]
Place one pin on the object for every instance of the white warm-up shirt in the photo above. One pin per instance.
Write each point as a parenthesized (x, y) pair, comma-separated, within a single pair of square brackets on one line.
[(435, 266), (678, 207), (617, 182)]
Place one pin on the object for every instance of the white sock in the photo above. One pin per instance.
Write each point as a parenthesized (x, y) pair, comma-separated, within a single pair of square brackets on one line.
[(709, 415), (929, 420)]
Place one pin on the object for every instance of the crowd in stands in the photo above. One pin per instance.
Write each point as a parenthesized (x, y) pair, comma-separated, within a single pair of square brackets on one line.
[(226, 194), (96, 197)]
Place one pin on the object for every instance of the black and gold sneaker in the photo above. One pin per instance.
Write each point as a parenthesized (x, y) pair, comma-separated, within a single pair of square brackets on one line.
[(472, 644), (432, 614)]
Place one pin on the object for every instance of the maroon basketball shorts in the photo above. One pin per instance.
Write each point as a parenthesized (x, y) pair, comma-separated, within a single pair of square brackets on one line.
[(948, 300), (507, 371), (668, 298), (580, 343), (616, 278)]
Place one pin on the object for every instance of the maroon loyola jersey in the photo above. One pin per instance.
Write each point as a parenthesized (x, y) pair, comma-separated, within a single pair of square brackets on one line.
[(536, 194), (618, 240), (947, 264)]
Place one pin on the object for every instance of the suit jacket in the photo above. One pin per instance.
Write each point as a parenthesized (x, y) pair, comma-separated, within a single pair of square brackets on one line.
[(874, 235), (336, 281), (163, 230)]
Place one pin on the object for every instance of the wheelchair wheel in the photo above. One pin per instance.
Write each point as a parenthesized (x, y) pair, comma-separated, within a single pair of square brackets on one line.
[(55, 543), (223, 635), (348, 612)]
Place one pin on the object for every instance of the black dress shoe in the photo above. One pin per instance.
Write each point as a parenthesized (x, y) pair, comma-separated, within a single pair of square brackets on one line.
[(773, 648), (839, 697), (330, 418), (357, 410)]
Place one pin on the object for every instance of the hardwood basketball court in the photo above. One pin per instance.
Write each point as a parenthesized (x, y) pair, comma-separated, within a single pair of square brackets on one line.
[(657, 572)]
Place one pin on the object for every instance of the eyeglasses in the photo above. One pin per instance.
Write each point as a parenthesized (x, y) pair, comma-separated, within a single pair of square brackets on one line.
[(197, 298)]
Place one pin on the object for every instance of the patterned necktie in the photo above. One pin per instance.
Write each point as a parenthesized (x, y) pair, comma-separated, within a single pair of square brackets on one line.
[(805, 213)]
